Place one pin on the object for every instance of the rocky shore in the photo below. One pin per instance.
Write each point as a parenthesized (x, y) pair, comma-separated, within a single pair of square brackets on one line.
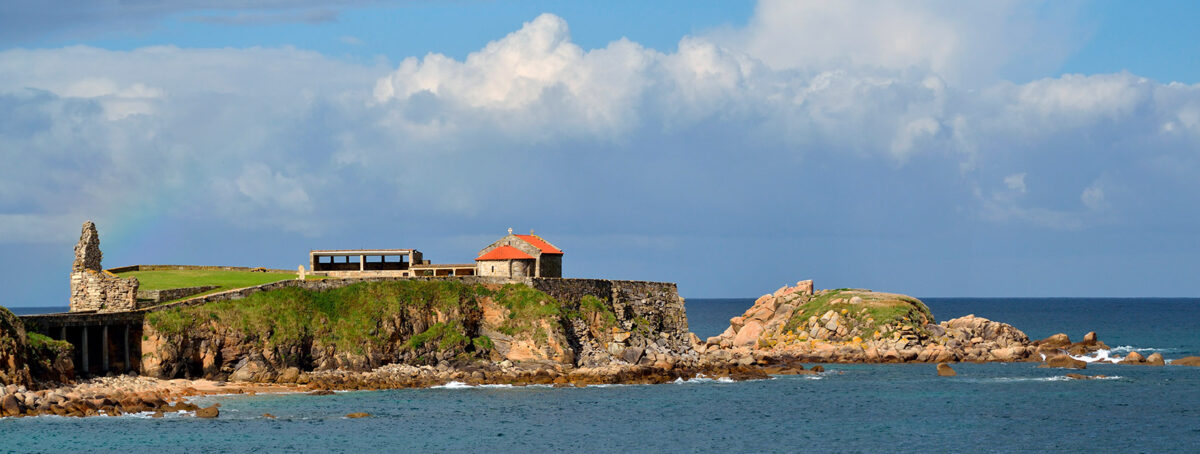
[(797, 324), (423, 334), (125, 394)]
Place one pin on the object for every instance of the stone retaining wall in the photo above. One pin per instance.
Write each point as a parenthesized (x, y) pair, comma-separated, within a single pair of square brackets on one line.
[(124, 269), (158, 296)]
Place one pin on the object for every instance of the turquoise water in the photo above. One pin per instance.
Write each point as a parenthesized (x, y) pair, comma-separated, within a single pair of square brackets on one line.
[(851, 408)]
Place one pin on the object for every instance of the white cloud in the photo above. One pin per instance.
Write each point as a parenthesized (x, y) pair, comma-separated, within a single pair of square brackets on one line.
[(960, 41), (1093, 198), (534, 115), (269, 188), (1016, 182)]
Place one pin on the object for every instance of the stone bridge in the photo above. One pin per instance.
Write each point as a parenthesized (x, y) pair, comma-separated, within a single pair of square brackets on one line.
[(104, 342)]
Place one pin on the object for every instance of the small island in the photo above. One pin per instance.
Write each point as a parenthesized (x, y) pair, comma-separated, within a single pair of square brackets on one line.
[(129, 346)]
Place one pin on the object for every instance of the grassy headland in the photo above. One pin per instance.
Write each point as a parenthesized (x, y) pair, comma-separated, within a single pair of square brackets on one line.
[(167, 279)]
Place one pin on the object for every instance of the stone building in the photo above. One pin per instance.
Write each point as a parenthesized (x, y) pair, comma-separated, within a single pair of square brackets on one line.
[(520, 256), (92, 288)]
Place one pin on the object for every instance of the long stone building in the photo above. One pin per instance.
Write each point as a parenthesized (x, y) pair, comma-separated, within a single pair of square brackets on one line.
[(513, 256)]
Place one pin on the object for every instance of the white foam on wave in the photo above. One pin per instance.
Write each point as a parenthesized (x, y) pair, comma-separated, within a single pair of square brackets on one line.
[(461, 385), (702, 379), (453, 385), (1116, 354), (1098, 356)]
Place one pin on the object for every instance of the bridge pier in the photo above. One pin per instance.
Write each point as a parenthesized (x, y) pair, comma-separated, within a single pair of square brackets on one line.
[(128, 367), (104, 349), (83, 350)]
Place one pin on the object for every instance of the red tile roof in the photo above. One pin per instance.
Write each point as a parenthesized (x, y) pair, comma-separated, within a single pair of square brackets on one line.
[(505, 253), (539, 243)]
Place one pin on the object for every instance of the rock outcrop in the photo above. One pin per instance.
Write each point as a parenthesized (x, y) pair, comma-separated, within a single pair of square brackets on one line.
[(29, 359), (1155, 359), (798, 324), (944, 370), (13, 351), (1193, 361), (92, 288)]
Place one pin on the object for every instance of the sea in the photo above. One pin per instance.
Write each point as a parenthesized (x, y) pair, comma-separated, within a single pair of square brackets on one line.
[(850, 408)]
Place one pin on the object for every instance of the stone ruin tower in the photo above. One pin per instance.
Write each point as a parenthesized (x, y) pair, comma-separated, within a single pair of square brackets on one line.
[(92, 288)]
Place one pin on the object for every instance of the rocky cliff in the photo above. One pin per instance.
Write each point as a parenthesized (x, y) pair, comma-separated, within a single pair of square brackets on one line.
[(278, 335), (30, 359)]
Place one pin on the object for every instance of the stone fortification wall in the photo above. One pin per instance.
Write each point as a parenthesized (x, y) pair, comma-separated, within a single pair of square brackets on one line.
[(158, 296), (651, 320), (92, 289), (315, 285)]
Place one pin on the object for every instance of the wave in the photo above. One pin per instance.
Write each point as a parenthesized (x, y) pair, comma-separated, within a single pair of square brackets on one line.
[(1116, 354), (701, 378), (461, 385)]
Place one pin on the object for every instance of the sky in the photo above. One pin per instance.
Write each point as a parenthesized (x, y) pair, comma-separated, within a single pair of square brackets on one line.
[(934, 148)]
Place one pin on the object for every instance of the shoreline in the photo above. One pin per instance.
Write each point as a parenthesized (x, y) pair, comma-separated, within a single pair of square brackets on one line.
[(127, 395)]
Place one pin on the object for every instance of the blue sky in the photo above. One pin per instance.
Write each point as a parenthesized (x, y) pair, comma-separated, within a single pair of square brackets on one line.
[(932, 148)]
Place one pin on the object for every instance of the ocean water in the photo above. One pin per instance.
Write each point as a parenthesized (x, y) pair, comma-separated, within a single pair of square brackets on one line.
[(850, 408)]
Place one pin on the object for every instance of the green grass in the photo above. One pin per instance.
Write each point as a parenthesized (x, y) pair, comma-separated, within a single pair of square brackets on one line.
[(591, 306), (39, 341), (348, 317), (527, 307), (881, 309), (165, 279)]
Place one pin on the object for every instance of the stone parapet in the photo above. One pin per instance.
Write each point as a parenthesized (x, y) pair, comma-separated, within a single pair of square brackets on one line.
[(125, 269), (158, 296)]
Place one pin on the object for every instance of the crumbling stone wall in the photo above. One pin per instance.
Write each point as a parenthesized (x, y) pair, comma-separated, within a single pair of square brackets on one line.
[(92, 289)]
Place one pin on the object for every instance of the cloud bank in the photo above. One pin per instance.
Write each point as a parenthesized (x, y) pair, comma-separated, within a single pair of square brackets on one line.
[(866, 121)]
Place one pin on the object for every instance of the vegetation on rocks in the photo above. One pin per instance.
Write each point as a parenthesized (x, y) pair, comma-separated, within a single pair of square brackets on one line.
[(348, 318), (865, 312), (527, 308), (281, 334), (28, 358)]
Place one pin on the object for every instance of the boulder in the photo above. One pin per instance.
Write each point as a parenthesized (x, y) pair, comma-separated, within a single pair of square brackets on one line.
[(944, 370), (1133, 358), (1089, 338), (208, 413), (289, 375), (632, 355), (748, 335), (1155, 359), (10, 405), (1008, 354), (1193, 361), (246, 370), (1064, 362), (736, 323), (804, 287), (935, 330), (1057, 340)]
